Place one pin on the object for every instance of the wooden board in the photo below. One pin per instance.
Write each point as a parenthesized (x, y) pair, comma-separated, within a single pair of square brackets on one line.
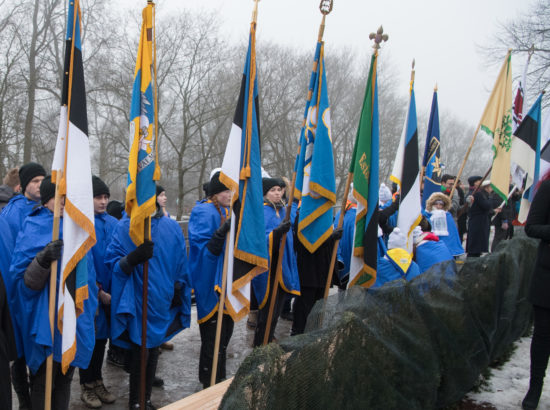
[(205, 399)]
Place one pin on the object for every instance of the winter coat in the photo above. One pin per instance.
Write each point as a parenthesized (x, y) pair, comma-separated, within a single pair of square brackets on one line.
[(16, 211), (538, 226), (479, 223), (6, 193), (453, 242)]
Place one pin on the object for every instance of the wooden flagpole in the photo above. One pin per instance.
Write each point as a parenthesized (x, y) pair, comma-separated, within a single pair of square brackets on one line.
[(59, 193), (378, 37), (465, 159), (221, 303), (337, 242), (147, 236), (325, 7), (143, 348)]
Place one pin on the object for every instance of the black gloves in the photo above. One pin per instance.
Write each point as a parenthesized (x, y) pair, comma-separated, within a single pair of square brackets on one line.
[(50, 253), (176, 299), (283, 227), (336, 234), (141, 254), (215, 244)]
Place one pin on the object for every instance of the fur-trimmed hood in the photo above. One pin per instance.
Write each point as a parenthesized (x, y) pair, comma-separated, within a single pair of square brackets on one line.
[(435, 197)]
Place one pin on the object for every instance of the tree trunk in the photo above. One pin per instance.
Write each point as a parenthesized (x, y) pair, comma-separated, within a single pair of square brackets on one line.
[(31, 90)]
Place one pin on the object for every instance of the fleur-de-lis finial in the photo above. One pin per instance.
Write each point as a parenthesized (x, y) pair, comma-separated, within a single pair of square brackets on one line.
[(378, 37), (325, 6)]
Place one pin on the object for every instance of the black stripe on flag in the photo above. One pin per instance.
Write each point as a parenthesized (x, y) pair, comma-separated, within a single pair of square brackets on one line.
[(370, 244), (410, 165), (239, 111), (528, 132), (545, 152), (78, 115)]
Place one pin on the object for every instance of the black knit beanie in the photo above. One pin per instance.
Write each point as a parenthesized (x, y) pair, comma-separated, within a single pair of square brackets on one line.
[(99, 187), (268, 183), (160, 189), (216, 186), (29, 171), (47, 190)]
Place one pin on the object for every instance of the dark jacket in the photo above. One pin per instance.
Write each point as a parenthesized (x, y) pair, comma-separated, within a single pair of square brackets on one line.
[(6, 193), (538, 226), (479, 223)]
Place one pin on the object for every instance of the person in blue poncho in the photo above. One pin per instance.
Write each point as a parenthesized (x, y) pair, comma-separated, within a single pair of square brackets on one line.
[(442, 222), (208, 225), (428, 249), (345, 247), (8, 350), (30, 271), (275, 227), (169, 293), (20, 206), (397, 263), (14, 213), (91, 381)]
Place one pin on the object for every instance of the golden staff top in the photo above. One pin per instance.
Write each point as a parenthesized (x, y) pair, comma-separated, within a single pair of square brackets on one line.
[(255, 11), (378, 37), (325, 7)]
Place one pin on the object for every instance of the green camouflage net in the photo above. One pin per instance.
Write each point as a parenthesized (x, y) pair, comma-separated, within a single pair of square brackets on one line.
[(415, 345)]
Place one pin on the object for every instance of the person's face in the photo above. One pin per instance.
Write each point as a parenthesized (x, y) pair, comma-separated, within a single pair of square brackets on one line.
[(489, 188), (224, 198), (100, 203), (274, 194), (51, 205), (476, 184), (32, 191), (161, 199), (449, 183), (438, 205)]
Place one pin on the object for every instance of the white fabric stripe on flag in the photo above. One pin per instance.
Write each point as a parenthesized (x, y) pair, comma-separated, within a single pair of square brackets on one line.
[(232, 159), (409, 212), (356, 263), (397, 170)]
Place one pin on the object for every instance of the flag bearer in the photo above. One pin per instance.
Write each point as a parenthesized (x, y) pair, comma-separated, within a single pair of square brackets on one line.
[(275, 227), (208, 226), (169, 293), (30, 271), (91, 382)]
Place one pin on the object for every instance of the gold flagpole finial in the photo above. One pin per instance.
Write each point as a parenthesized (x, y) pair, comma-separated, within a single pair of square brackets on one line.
[(326, 7), (435, 88), (412, 72), (378, 37), (255, 11)]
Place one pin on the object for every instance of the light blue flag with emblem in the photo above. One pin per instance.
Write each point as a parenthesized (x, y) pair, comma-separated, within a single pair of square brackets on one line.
[(315, 181), (143, 169)]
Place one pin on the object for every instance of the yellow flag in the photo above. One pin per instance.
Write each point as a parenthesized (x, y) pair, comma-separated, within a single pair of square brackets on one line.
[(497, 123)]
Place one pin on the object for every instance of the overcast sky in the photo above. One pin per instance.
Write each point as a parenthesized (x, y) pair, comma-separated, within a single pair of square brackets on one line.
[(443, 36)]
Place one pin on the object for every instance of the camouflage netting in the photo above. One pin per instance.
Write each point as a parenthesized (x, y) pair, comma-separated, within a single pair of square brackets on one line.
[(416, 345)]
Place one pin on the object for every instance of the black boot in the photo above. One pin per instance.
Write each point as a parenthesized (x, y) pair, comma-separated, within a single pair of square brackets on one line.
[(531, 400)]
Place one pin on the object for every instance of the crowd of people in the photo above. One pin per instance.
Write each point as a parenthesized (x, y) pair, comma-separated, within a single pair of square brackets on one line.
[(113, 310)]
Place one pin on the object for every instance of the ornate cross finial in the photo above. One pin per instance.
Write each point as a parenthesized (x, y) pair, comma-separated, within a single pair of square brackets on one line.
[(378, 37), (325, 6)]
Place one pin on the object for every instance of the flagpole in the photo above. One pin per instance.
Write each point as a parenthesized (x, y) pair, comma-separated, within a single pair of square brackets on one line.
[(59, 192), (337, 242), (423, 168), (325, 7), (465, 159), (53, 290), (221, 304), (145, 283)]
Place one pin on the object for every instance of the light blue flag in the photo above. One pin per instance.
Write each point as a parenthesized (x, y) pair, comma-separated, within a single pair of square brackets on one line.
[(315, 181)]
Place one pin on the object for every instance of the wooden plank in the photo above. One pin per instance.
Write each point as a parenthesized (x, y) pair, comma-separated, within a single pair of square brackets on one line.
[(205, 399)]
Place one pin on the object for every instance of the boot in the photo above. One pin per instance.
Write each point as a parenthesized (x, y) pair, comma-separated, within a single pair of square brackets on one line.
[(89, 397), (252, 321), (531, 400), (103, 394)]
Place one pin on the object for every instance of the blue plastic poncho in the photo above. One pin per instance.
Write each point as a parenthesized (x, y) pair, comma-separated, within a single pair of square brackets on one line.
[(104, 226), (167, 267), (452, 240), (31, 307), (429, 253), (290, 282), (345, 247), (16, 211), (206, 268)]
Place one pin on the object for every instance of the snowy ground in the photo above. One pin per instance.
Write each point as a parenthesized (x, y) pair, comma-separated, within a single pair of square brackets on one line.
[(508, 385)]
